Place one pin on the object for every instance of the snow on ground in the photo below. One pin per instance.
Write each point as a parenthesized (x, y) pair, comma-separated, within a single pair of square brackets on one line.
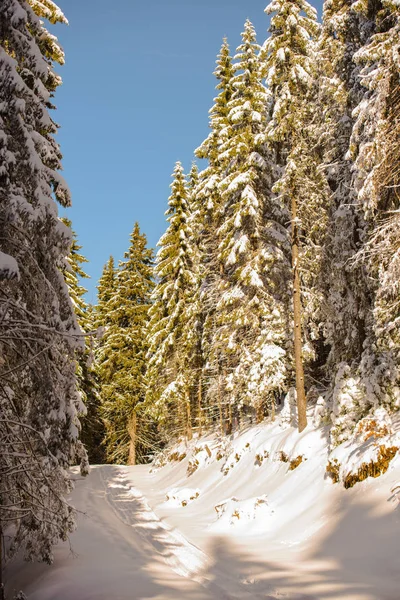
[(251, 517)]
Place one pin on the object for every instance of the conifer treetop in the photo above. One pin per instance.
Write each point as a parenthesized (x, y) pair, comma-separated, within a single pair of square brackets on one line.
[(288, 56), (175, 254), (219, 112), (193, 178), (174, 311)]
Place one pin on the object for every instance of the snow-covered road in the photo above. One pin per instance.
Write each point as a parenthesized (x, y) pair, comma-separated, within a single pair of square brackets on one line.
[(154, 532), (122, 551)]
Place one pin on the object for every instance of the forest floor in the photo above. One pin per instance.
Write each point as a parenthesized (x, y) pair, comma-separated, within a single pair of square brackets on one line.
[(245, 529)]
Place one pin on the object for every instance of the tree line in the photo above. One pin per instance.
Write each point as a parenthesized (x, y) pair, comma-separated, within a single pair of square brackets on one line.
[(277, 275)]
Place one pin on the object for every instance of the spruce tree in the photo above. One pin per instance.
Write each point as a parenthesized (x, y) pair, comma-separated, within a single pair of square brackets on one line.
[(92, 427), (248, 344), (73, 274), (207, 192), (101, 319), (347, 308), (105, 292), (39, 404), (173, 327), (207, 215), (374, 150), (93, 432), (289, 56), (196, 365), (219, 124), (123, 347)]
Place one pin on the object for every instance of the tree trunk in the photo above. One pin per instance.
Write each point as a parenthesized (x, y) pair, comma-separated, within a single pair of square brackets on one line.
[(189, 432), (260, 412), (221, 416), (230, 419), (301, 395), (199, 394), (273, 409), (132, 444)]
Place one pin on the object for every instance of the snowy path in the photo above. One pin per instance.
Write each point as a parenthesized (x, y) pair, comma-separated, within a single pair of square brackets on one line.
[(122, 551)]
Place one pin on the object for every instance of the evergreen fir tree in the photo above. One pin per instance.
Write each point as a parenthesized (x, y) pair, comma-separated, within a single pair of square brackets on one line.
[(73, 273), (247, 348), (348, 294), (207, 191), (173, 316), (219, 123), (196, 365), (101, 319), (374, 149), (105, 292), (93, 432), (289, 56), (207, 216), (123, 347), (92, 427), (39, 404)]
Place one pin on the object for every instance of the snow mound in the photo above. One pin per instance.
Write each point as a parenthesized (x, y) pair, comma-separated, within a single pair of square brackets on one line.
[(234, 512), (182, 497), (368, 453)]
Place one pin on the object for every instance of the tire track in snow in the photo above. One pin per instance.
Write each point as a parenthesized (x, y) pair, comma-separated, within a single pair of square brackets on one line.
[(133, 510)]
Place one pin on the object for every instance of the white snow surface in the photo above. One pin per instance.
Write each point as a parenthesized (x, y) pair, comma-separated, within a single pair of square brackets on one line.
[(249, 527)]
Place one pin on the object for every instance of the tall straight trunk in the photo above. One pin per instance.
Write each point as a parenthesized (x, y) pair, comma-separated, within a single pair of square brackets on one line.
[(132, 444), (298, 357), (189, 432), (230, 418), (260, 412), (221, 416), (273, 409), (199, 395)]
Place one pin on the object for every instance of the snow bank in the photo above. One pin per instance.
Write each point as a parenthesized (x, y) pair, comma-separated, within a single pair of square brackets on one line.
[(368, 453), (258, 518)]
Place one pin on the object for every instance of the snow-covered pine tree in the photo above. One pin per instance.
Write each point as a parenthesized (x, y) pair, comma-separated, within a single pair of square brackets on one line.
[(207, 214), (289, 62), (39, 334), (219, 123), (73, 273), (375, 150), (347, 310), (92, 427), (247, 347), (93, 433), (193, 180), (199, 411), (173, 328), (123, 348)]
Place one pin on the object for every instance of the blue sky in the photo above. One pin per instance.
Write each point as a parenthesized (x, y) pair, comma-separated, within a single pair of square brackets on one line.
[(137, 88)]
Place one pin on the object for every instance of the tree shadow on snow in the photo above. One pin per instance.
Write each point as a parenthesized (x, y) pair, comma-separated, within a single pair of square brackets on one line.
[(111, 558), (125, 552), (359, 558)]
